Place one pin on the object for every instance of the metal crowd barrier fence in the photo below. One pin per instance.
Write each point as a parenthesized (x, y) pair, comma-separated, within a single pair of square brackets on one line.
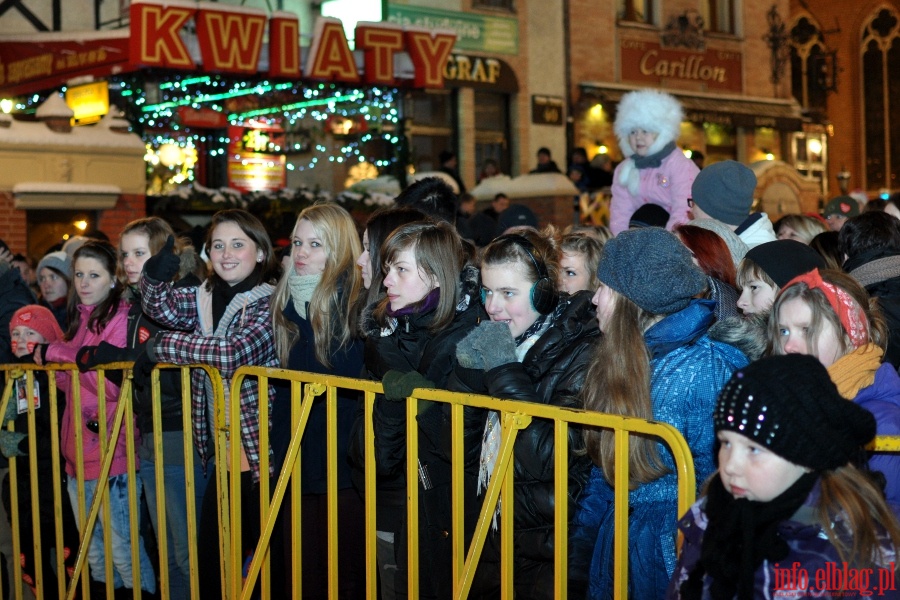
[(310, 388)]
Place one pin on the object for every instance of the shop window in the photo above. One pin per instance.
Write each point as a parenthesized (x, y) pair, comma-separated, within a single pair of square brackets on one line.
[(880, 52), (719, 16), (637, 11), (492, 130), (432, 128), (504, 4), (808, 66), (809, 154)]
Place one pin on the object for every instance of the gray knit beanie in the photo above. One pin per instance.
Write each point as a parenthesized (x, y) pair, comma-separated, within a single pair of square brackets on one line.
[(736, 245), (651, 268), (59, 261), (724, 191)]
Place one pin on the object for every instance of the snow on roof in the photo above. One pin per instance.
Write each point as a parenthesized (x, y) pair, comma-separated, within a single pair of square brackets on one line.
[(54, 106), (525, 186), (48, 187), (388, 184), (88, 136)]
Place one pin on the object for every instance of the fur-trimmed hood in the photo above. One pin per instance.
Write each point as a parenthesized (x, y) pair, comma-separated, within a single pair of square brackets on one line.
[(650, 110)]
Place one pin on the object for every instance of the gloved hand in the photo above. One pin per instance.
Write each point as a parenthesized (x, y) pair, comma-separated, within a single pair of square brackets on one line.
[(486, 347), (164, 265), (89, 357), (9, 443), (143, 367), (398, 386)]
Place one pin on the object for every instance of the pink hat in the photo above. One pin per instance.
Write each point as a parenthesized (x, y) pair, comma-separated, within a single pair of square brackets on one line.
[(38, 318)]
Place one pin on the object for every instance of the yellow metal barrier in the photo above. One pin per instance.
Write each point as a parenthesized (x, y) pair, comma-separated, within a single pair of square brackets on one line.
[(310, 388), (515, 416)]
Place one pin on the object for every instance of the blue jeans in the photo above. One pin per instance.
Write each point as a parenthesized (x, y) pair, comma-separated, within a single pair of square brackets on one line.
[(176, 517), (120, 538)]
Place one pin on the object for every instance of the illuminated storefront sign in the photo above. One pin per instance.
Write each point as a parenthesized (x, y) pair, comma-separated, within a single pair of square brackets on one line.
[(255, 162), (649, 62), (89, 102)]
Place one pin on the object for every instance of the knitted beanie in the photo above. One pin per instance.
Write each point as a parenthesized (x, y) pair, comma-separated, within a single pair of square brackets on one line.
[(844, 206), (59, 261), (789, 405), (649, 215), (652, 268), (724, 191), (782, 260), (736, 246), (38, 318)]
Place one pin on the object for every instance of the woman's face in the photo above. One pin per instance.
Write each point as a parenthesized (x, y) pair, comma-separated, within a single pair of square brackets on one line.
[(232, 253), (307, 250), (53, 285), (789, 233), (604, 299), (507, 296), (573, 272), (134, 250), (794, 318), (640, 141), (92, 281), (405, 282), (365, 261)]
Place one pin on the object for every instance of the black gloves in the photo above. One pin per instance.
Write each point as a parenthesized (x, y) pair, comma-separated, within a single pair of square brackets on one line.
[(143, 367), (164, 265), (89, 357), (487, 346)]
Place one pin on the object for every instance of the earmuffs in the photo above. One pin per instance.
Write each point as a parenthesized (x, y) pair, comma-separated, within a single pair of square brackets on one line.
[(544, 295)]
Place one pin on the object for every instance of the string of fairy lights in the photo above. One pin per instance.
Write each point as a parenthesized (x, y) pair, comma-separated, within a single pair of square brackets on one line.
[(303, 109)]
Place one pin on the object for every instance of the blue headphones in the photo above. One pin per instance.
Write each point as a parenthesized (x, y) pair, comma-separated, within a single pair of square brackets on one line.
[(544, 295)]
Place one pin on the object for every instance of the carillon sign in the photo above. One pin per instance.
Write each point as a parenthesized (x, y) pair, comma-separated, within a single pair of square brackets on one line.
[(651, 63), (211, 38)]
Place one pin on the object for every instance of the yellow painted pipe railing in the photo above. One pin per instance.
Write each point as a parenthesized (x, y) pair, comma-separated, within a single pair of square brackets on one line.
[(307, 389)]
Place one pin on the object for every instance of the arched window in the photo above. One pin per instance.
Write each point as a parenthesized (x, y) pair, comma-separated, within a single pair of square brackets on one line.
[(880, 49), (808, 55)]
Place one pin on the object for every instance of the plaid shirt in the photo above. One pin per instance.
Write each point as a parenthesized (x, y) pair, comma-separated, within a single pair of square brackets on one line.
[(244, 337)]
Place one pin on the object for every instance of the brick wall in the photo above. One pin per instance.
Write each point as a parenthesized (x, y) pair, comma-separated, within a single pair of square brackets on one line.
[(128, 208), (13, 229)]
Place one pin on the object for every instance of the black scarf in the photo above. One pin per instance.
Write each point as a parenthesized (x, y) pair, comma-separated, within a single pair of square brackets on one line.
[(867, 257), (741, 534), (652, 161), (223, 293)]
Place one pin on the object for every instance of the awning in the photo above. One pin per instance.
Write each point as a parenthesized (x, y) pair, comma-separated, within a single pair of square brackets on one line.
[(725, 109)]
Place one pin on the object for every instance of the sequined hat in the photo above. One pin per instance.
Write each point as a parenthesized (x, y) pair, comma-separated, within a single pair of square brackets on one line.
[(789, 405)]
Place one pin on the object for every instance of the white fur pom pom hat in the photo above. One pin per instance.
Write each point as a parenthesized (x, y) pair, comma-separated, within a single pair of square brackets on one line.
[(650, 110)]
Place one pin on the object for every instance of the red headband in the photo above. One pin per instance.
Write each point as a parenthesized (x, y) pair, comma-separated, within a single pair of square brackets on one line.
[(849, 312)]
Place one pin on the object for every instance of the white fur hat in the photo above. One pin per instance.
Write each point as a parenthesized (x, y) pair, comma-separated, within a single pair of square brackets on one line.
[(650, 110)]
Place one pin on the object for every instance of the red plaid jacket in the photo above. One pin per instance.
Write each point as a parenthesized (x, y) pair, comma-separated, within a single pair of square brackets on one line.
[(244, 337)]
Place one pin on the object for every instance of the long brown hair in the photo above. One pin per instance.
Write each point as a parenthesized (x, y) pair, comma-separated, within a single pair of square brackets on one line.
[(330, 313), (104, 253), (618, 383), (850, 493)]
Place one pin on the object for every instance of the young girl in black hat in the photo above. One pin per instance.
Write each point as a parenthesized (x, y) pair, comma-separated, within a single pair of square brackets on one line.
[(787, 513)]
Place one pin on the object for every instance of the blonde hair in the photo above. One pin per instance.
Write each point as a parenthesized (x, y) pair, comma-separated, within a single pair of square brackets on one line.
[(330, 312), (821, 311), (618, 382), (806, 227), (588, 246)]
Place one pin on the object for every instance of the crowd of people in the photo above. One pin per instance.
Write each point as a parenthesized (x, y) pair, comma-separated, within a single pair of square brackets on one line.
[(774, 357)]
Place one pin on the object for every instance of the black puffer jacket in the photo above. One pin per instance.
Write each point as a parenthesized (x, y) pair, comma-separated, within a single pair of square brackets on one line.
[(552, 372)]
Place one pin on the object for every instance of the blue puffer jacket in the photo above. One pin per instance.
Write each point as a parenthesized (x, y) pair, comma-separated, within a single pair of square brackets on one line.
[(688, 371), (882, 399)]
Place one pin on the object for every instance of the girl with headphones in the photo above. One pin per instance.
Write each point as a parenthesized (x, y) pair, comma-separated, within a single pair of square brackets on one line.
[(536, 348)]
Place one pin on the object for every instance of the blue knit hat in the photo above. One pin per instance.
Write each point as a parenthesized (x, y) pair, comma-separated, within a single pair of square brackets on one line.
[(651, 268)]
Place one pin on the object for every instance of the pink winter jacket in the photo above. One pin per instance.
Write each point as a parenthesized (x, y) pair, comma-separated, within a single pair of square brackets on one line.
[(64, 352), (668, 185)]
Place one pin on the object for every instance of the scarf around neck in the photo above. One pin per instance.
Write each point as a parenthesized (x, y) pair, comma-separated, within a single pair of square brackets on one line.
[(856, 370), (302, 288), (425, 305), (629, 170), (741, 534), (652, 161)]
